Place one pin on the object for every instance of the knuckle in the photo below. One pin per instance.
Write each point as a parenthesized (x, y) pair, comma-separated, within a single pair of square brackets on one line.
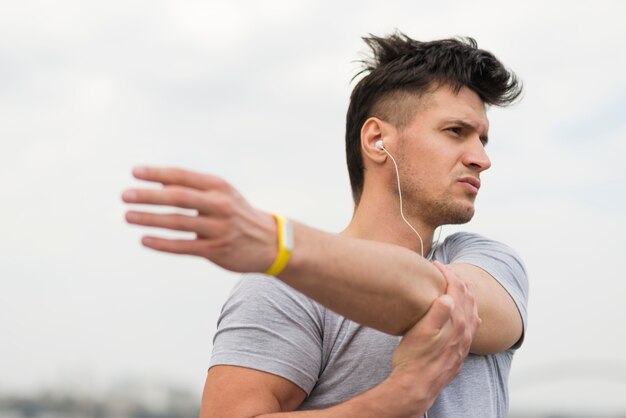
[(461, 323), (448, 308), (469, 297), (457, 317), (222, 185), (224, 205), (178, 195), (458, 284), (476, 325), (139, 195), (460, 327)]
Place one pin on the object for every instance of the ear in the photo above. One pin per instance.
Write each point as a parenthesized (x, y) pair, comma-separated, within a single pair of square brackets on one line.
[(375, 130)]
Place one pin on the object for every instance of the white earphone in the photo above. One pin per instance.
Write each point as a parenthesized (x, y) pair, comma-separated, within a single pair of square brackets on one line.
[(379, 144)]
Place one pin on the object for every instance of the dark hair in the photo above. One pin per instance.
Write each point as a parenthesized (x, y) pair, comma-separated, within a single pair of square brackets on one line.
[(402, 67)]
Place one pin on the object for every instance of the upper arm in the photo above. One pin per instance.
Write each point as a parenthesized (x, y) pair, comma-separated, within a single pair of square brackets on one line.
[(501, 325), (501, 289), (239, 392), (267, 351)]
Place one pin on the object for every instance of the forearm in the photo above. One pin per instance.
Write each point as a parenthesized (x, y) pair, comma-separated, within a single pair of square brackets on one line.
[(393, 398), (379, 285)]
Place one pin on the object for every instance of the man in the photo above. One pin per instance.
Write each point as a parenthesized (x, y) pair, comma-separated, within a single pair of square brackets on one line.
[(415, 137)]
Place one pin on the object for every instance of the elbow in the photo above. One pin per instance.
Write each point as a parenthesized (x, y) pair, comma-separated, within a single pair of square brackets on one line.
[(419, 298)]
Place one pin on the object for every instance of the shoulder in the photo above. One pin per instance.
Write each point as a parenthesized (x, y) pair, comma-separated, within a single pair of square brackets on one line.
[(472, 248), (267, 326), (496, 258), (460, 243)]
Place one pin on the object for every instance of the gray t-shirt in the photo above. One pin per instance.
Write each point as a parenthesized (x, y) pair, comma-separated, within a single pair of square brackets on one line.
[(268, 326)]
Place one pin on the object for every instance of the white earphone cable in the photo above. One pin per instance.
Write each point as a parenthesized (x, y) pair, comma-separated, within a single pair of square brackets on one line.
[(436, 242), (401, 204)]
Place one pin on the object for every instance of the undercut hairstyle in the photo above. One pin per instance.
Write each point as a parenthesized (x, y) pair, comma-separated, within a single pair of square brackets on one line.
[(402, 70)]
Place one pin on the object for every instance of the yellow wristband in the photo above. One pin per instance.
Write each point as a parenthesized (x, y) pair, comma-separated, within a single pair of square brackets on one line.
[(285, 245)]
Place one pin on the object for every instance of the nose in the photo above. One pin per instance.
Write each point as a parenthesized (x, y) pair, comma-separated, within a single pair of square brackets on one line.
[(475, 155)]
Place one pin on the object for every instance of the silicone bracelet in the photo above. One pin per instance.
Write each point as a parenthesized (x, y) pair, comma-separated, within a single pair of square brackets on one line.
[(285, 245)]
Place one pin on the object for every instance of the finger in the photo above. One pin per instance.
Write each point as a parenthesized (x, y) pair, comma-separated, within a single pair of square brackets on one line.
[(454, 286), (181, 197), (200, 225), (439, 314), (180, 177), (174, 246), (470, 298), (474, 314), (442, 269), (470, 318), (463, 298)]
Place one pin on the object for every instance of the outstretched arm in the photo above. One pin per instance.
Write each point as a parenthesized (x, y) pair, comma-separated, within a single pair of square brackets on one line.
[(379, 285), (370, 282)]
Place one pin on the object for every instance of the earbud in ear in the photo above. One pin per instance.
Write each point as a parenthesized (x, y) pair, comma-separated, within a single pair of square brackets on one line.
[(379, 144)]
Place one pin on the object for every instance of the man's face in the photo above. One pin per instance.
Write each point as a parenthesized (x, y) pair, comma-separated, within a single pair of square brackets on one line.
[(441, 155)]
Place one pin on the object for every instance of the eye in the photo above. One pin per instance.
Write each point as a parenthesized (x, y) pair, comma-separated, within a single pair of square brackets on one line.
[(456, 130)]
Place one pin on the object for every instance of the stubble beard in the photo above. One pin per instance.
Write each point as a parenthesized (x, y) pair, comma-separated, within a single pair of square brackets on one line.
[(447, 212), (437, 211)]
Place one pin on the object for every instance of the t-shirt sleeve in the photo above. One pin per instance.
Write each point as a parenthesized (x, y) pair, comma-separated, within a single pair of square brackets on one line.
[(265, 325), (497, 259)]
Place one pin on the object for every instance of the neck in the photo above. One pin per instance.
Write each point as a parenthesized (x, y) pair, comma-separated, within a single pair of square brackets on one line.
[(379, 219)]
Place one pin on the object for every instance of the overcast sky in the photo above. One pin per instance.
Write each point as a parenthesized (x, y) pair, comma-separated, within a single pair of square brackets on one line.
[(257, 92)]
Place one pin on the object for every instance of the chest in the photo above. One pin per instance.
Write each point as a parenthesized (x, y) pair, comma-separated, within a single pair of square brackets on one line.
[(356, 358)]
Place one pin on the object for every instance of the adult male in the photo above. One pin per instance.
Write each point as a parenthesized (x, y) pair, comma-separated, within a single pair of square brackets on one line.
[(424, 104)]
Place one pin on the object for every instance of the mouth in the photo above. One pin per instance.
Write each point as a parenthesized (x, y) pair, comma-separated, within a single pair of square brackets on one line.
[(471, 183)]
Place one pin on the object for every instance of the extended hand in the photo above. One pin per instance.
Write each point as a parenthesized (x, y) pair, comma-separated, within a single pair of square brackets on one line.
[(229, 232)]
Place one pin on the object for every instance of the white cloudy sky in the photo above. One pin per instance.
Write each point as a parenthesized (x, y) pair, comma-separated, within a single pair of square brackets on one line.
[(257, 92)]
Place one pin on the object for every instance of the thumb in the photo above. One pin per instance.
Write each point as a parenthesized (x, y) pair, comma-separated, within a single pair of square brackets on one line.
[(439, 313)]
